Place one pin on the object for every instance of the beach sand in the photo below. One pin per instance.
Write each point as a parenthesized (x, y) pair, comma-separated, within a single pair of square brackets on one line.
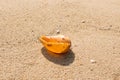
[(92, 25)]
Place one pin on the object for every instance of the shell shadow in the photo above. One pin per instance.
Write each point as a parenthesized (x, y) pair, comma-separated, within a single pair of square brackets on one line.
[(61, 59)]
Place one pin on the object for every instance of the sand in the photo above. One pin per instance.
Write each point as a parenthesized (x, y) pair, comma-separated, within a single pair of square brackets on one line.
[(92, 25)]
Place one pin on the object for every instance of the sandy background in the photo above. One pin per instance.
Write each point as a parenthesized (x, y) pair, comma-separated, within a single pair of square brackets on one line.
[(92, 25)]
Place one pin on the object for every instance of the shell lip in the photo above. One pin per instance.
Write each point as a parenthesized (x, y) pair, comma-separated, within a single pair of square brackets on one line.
[(59, 42)]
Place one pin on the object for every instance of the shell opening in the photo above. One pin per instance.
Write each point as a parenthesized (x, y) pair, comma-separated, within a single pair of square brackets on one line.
[(55, 39)]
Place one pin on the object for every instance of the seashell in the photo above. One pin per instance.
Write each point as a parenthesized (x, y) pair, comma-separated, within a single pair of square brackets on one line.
[(56, 44)]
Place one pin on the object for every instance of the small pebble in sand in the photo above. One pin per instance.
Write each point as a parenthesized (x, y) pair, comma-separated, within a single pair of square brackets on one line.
[(58, 31), (32, 31), (19, 42), (93, 61), (83, 21), (110, 25), (3, 49), (67, 16), (105, 28)]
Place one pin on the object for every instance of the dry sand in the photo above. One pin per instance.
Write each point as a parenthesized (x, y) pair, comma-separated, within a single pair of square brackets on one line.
[(92, 25)]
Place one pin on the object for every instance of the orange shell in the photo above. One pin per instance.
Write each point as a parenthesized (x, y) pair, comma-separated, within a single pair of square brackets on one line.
[(56, 44)]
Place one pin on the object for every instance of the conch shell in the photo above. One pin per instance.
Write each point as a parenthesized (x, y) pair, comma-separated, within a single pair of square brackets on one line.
[(56, 44)]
